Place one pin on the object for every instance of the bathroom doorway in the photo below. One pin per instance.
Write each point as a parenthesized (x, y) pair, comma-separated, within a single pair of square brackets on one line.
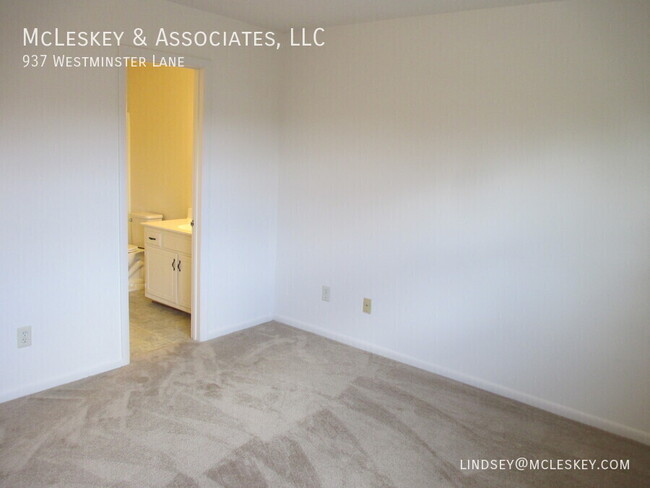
[(162, 133)]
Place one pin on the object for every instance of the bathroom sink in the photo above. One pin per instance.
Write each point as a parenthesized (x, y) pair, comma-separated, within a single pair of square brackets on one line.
[(185, 227)]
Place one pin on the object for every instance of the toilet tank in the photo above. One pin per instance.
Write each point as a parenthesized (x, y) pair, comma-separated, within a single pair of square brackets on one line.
[(136, 231)]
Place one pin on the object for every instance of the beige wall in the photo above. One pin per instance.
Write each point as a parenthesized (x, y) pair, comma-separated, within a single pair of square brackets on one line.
[(161, 113)]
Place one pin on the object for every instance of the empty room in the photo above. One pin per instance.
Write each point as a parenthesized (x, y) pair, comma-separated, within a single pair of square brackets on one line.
[(343, 243)]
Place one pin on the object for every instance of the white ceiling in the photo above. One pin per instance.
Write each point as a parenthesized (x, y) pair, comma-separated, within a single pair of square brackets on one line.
[(280, 15)]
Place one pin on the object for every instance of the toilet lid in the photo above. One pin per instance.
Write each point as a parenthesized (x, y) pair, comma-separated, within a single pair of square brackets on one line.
[(133, 248)]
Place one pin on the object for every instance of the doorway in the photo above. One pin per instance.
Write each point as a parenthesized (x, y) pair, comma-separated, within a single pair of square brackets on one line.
[(160, 139), (161, 177)]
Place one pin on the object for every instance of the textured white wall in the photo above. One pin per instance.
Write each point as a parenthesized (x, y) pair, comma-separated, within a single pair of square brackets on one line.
[(60, 191), (484, 177)]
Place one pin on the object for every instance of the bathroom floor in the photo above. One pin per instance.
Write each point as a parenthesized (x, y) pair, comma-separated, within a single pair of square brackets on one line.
[(154, 326)]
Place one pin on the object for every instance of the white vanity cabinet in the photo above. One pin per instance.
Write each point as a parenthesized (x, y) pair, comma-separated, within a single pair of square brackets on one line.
[(168, 267)]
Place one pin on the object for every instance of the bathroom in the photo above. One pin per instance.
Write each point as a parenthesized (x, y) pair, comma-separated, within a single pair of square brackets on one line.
[(160, 136)]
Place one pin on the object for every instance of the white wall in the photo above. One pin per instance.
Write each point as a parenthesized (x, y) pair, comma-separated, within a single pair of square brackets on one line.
[(484, 177), (60, 191)]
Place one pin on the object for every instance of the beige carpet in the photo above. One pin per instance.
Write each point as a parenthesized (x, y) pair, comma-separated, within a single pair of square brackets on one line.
[(273, 406)]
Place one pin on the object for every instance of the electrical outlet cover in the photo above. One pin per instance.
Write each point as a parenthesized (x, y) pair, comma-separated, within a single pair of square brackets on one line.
[(24, 336), (325, 296)]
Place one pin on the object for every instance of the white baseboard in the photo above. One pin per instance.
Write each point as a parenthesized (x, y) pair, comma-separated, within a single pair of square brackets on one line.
[(84, 373), (549, 406), (213, 334), (60, 380)]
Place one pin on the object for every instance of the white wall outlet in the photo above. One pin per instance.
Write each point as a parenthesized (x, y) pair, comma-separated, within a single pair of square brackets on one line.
[(325, 294), (24, 336), (367, 305)]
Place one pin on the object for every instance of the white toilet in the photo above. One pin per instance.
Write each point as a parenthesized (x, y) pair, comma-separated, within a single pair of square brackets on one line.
[(136, 247)]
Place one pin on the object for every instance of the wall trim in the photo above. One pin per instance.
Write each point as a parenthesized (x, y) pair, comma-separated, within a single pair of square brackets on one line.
[(549, 406), (103, 368), (541, 403), (214, 334), (80, 374)]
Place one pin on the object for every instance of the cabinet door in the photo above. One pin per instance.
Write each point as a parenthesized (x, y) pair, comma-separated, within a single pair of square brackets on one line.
[(184, 280), (160, 277)]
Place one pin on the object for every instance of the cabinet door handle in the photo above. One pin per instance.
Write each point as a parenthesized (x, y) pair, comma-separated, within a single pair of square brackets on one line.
[(152, 238), (173, 264), (179, 265)]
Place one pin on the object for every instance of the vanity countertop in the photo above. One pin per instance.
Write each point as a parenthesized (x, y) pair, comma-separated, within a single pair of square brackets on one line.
[(180, 226)]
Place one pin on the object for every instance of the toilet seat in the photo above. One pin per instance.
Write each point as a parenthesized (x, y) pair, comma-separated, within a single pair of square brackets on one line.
[(133, 248)]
